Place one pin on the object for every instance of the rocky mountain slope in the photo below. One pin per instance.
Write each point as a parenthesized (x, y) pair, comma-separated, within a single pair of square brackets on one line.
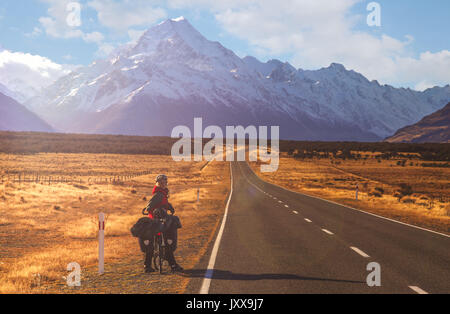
[(434, 128)]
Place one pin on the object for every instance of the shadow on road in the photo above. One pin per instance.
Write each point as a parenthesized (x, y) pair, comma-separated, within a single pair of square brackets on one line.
[(228, 275)]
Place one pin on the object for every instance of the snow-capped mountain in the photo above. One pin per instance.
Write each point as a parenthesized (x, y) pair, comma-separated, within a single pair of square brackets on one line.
[(15, 117), (173, 74)]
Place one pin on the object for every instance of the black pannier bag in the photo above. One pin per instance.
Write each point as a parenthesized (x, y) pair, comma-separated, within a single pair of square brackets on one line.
[(176, 221), (146, 228), (172, 222)]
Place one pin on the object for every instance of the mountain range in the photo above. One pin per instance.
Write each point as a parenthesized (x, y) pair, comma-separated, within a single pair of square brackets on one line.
[(173, 74)]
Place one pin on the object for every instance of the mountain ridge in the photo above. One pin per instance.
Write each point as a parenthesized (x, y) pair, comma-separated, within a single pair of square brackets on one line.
[(16, 117), (173, 70)]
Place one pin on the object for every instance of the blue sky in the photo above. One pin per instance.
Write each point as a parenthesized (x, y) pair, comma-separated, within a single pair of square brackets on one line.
[(410, 48)]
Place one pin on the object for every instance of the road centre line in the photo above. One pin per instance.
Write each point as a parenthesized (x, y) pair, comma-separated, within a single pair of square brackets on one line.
[(417, 290), (359, 252)]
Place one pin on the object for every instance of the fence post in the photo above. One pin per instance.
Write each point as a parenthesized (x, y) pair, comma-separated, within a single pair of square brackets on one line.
[(198, 197), (101, 243), (357, 191)]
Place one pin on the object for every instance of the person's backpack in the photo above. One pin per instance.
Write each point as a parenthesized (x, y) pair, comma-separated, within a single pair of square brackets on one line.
[(146, 228)]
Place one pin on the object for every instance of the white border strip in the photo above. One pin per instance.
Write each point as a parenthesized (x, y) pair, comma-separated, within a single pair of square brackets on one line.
[(212, 261), (361, 211)]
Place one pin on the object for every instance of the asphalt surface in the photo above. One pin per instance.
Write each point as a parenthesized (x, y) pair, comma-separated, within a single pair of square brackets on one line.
[(275, 241)]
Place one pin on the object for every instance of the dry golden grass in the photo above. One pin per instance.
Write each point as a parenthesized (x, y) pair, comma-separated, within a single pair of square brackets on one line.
[(45, 227), (378, 184)]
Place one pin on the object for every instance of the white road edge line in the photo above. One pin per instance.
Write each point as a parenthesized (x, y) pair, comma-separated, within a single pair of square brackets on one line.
[(212, 261), (359, 252), (358, 210), (306, 219), (327, 231), (418, 290)]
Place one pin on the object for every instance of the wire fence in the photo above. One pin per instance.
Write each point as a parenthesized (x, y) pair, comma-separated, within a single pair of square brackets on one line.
[(36, 177)]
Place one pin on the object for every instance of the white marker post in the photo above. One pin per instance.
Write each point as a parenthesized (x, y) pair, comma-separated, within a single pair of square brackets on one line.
[(101, 243)]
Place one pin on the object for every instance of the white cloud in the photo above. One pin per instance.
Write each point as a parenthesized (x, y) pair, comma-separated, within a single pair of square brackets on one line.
[(104, 50), (317, 33), (121, 15), (26, 74), (135, 34), (56, 24), (94, 37), (429, 70), (36, 32)]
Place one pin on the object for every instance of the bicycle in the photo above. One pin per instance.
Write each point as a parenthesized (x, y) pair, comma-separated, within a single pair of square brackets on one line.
[(159, 246)]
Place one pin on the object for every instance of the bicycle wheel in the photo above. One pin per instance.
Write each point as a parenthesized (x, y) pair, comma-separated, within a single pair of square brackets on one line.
[(158, 255), (161, 255)]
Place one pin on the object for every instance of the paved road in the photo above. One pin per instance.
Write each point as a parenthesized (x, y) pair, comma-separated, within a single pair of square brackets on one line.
[(277, 241)]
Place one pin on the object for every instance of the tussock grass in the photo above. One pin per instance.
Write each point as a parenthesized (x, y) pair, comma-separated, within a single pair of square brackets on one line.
[(45, 227)]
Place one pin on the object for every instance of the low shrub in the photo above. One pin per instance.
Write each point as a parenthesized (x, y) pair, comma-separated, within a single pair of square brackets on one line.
[(380, 190), (375, 194), (408, 200)]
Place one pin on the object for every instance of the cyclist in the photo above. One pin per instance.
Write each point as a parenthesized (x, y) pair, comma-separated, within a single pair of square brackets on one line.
[(157, 208)]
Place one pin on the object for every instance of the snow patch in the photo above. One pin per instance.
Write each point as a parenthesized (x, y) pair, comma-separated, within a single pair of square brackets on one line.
[(73, 92), (96, 80), (115, 60), (133, 57), (135, 92), (125, 69), (178, 19)]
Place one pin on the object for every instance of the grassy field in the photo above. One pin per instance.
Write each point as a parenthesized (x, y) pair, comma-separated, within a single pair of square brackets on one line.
[(44, 227), (402, 189), (49, 202)]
